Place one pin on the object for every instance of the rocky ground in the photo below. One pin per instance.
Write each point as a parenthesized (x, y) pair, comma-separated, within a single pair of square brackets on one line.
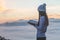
[(3, 38)]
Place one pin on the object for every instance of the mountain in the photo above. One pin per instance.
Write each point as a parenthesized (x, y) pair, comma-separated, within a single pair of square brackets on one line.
[(15, 23), (22, 22), (54, 20)]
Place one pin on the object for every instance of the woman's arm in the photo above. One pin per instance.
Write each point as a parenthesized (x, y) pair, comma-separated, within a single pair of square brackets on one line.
[(32, 22)]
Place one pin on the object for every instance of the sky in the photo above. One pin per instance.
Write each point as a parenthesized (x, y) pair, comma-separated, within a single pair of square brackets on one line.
[(27, 9)]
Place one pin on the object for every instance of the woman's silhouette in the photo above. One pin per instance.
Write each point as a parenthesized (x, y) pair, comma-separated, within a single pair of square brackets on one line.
[(42, 23)]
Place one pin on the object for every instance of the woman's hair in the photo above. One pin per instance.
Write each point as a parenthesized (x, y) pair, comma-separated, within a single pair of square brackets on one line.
[(46, 20)]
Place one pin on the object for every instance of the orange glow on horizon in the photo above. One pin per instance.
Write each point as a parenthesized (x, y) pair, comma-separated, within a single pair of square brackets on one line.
[(13, 15), (2, 20)]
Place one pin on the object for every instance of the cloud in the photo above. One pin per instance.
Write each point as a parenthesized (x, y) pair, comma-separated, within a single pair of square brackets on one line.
[(2, 5)]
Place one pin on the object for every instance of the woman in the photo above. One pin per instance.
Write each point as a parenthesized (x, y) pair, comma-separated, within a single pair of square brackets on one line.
[(42, 23)]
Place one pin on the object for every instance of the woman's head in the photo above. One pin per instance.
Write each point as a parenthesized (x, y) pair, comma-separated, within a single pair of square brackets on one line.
[(42, 9)]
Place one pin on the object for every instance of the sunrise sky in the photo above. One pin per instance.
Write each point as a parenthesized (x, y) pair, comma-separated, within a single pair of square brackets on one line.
[(11, 10)]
